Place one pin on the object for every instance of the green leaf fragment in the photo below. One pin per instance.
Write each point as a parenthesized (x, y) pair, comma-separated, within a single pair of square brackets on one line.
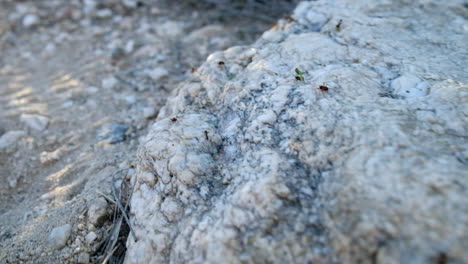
[(298, 72)]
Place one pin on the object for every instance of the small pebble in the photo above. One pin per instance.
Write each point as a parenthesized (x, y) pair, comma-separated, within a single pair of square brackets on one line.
[(109, 83), (104, 13), (92, 90), (30, 20), (97, 211), (36, 122), (59, 236), (10, 138), (83, 258), (113, 133), (157, 74), (149, 112), (90, 237)]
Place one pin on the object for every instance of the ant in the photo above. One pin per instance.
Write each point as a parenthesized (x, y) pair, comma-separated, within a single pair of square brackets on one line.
[(206, 135), (323, 87), (221, 63), (173, 119), (338, 26)]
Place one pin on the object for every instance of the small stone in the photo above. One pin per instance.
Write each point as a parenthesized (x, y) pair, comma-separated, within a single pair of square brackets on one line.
[(113, 133), (109, 82), (23, 256), (170, 29), (89, 6), (49, 157), (12, 181), (67, 104), (104, 13), (10, 138), (59, 236), (149, 112), (129, 47), (36, 122), (50, 48), (157, 74), (129, 3), (130, 99), (97, 212), (47, 196), (83, 258), (80, 226), (92, 90), (30, 20), (90, 237), (38, 251), (117, 54)]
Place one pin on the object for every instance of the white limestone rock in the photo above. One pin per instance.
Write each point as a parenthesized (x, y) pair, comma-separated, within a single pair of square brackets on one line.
[(246, 164)]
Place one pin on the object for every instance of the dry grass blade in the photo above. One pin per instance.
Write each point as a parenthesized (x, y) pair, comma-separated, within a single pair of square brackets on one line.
[(113, 237), (112, 249), (118, 200)]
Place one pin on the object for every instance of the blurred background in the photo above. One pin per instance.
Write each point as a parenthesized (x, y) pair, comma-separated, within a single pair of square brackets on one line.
[(80, 83)]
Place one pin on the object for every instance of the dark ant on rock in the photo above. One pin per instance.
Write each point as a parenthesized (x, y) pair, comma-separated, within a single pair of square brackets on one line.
[(173, 119), (221, 63), (338, 26), (206, 135), (323, 88)]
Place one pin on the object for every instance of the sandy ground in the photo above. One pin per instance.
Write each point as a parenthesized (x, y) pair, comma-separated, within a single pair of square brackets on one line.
[(79, 89)]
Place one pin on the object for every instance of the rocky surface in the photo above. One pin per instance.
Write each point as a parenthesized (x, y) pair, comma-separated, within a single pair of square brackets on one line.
[(358, 156)]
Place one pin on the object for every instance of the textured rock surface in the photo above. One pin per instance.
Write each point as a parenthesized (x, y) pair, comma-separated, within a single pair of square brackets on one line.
[(246, 164)]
